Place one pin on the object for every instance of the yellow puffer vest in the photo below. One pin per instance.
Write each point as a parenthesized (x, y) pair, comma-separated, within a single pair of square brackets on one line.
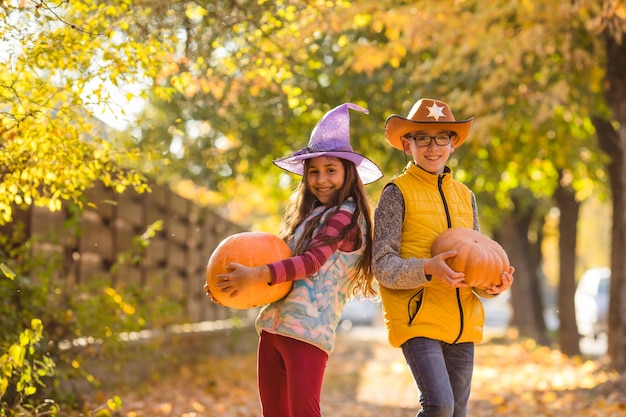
[(433, 203)]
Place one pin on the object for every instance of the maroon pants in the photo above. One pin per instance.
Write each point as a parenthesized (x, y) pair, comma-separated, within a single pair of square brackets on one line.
[(290, 375)]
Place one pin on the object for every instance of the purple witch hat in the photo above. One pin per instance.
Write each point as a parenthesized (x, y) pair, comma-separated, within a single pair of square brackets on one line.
[(331, 137)]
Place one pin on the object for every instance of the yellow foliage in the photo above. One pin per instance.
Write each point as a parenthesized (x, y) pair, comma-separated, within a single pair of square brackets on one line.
[(54, 70)]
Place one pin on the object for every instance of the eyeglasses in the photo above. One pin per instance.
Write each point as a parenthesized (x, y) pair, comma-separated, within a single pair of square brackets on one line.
[(426, 140)]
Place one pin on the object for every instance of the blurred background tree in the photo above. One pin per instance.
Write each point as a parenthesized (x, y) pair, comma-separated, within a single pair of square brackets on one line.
[(252, 81)]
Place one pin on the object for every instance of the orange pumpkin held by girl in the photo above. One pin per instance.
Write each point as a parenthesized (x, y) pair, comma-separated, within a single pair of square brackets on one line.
[(250, 249)]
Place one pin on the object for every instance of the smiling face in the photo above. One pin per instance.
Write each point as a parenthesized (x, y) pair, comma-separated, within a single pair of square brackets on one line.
[(431, 158), (325, 177)]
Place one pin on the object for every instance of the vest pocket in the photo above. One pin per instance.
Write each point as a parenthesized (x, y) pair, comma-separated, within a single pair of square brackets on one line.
[(414, 304)]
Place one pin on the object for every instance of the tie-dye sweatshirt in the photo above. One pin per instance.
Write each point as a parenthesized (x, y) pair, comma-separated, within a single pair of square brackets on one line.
[(312, 309)]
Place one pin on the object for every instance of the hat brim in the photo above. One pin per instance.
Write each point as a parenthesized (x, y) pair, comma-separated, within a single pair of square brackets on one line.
[(368, 171), (397, 126)]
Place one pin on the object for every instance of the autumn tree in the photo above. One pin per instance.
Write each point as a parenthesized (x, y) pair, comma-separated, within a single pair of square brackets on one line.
[(533, 75), (250, 82), (62, 66), (489, 59), (609, 22)]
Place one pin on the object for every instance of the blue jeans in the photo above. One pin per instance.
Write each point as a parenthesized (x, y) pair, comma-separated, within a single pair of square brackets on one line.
[(443, 374)]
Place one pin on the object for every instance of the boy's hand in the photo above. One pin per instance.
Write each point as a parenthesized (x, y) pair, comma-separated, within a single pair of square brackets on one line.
[(507, 281), (439, 269)]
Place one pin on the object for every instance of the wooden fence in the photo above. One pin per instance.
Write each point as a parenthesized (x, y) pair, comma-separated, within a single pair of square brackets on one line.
[(102, 244)]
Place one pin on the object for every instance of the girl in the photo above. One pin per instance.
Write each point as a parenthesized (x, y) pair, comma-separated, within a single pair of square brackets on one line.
[(328, 226)]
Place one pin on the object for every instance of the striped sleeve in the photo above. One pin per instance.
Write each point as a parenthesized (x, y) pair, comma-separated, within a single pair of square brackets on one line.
[(311, 260)]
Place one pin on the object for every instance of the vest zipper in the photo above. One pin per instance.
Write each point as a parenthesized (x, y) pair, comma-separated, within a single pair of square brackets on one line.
[(461, 318), (458, 290), (446, 209)]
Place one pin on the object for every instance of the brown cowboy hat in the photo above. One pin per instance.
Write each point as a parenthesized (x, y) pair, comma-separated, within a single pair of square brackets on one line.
[(426, 113)]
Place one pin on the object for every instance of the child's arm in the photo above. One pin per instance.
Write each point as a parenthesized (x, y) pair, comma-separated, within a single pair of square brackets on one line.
[(391, 270), (296, 267), (317, 253)]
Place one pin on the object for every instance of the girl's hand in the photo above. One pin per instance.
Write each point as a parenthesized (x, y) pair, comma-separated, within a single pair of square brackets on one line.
[(208, 294), (439, 269), (241, 276), (507, 281)]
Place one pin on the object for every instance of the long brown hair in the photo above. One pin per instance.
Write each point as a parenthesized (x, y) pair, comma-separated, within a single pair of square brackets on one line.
[(302, 201)]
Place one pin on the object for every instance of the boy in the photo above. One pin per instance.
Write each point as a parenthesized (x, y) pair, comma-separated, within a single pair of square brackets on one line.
[(430, 312)]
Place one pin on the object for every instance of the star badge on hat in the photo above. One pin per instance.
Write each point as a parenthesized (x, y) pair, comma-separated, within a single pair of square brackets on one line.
[(421, 117), (435, 111)]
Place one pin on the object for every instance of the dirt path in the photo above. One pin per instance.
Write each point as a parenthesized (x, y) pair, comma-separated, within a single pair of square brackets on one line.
[(368, 378)]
